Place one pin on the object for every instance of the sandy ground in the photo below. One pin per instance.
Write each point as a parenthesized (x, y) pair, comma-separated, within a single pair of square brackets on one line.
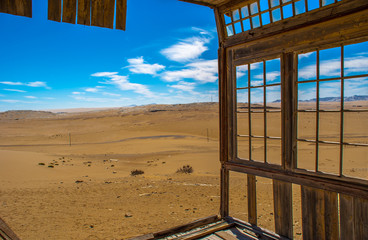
[(67, 175)]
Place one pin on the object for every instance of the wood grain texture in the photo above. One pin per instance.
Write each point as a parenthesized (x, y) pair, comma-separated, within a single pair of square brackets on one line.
[(23, 8), (252, 199), (109, 7), (54, 10), (319, 214), (346, 217), (224, 196), (84, 12), (97, 13), (5, 231), (121, 13), (283, 208), (360, 218), (69, 11)]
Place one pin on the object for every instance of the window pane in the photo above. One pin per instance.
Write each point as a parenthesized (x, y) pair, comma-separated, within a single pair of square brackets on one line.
[(273, 71), (257, 124), (313, 4), (236, 15), (258, 149), (274, 151), (238, 28), (327, 2), (246, 24), (256, 22), (242, 99), (273, 98), (256, 74), (276, 15), (330, 95), (356, 127), (307, 66), (242, 124), (266, 18), (306, 156), (329, 126), (329, 158), (355, 93), (242, 76), (299, 7), (287, 11), (256, 99), (330, 63), (254, 8), (274, 124), (264, 5), (356, 59), (229, 30), (307, 95), (355, 162), (307, 125), (275, 3), (245, 11), (227, 18), (243, 147)]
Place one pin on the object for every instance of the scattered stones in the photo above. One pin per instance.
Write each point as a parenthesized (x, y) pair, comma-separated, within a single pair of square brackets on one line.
[(50, 166), (128, 215), (79, 181), (114, 172), (41, 164)]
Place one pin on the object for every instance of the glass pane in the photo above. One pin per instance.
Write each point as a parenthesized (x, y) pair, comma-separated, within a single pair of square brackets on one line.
[(256, 99), (243, 147), (356, 59), (355, 93), (242, 76), (264, 5), (307, 66), (275, 3), (276, 15), (242, 99), (330, 95), (257, 124), (242, 124), (254, 8), (273, 71), (329, 127), (327, 2), (307, 125), (256, 22), (299, 7), (256, 74), (238, 28), (246, 25), (229, 30), (236, 15), (273, 124), (227, 18), (274, 151), (330, 63), (355, 162), (266, 18), (329, 158), (273, 98), (356, 127), (306, 155), (307, 95), (285, 1), (238, 205), (313, 4), (287, 11), (258, 149), (245, 11)]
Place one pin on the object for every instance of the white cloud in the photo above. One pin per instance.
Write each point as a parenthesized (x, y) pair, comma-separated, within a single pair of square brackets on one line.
[(12, 83), (93, 90), (137, 65), (123, 84), (203, 71), (186, 50), (111, 94), (30, 84), (104, 74), (15, 90), (10, 101), (77, 93), (31, 97), (184, 86)]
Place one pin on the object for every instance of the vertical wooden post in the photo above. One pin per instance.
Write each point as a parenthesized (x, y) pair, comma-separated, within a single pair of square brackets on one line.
[(283, 210), (252, 199)]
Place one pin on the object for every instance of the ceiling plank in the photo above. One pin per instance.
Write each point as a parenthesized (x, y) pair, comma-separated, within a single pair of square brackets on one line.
[(84, 12), (109, 7), (54, 10), (69, 11), (121, 13), (97, 13)]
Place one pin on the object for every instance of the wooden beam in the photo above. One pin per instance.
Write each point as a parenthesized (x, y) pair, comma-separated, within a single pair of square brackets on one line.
[(252, 199), (109, 7), (69, 11), (97, 13), (283, 208), (54, 10), (5, 232), (23, 8), (84, 12), (199, 3), (224, 200), (121, 14)]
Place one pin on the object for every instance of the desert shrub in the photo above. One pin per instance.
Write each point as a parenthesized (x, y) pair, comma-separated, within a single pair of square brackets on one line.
[(185, 169), (136, 172), (41, 164)]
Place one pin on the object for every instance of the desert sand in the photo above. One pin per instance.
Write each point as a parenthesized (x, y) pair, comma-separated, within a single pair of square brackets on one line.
[(67, 175)]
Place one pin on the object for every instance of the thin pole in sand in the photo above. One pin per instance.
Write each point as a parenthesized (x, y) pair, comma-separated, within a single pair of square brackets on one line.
[(70, 140)]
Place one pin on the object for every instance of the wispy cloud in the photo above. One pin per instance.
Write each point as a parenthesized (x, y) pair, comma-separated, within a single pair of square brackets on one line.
[(123, 83), (77, 93), (186, 50), (104, 74), (203, 71), (30, 97), (94, 90), (184, 86), (29, 84), (138, 65), (14, 90)]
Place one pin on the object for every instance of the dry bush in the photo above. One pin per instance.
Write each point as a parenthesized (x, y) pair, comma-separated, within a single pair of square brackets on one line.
[(185, 169), (136, 172)]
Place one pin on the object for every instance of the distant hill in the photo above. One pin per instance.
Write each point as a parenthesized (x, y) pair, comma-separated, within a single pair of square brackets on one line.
[(25, 114), (336, 99)]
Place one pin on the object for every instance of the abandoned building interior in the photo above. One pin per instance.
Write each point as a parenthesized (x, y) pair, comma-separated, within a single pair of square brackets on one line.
[(270, 39)]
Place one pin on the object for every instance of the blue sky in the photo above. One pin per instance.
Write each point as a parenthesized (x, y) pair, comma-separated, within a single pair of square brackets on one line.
[(168, 54)]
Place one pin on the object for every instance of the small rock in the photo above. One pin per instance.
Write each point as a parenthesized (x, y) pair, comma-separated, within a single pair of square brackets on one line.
[(79, 181), (128, 215)]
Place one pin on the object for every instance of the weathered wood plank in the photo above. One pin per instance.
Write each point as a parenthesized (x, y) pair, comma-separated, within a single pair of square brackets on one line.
[(54, 10), (224, 207), (109, 7), (252, 199), (207, 231), (6, 232), (361, 218), (225, 235), (9, 7), (97, 13), (23, 8), (346, 217), (84, 12), (121, 13), (283, 208), (69, 11), (319, 214)]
